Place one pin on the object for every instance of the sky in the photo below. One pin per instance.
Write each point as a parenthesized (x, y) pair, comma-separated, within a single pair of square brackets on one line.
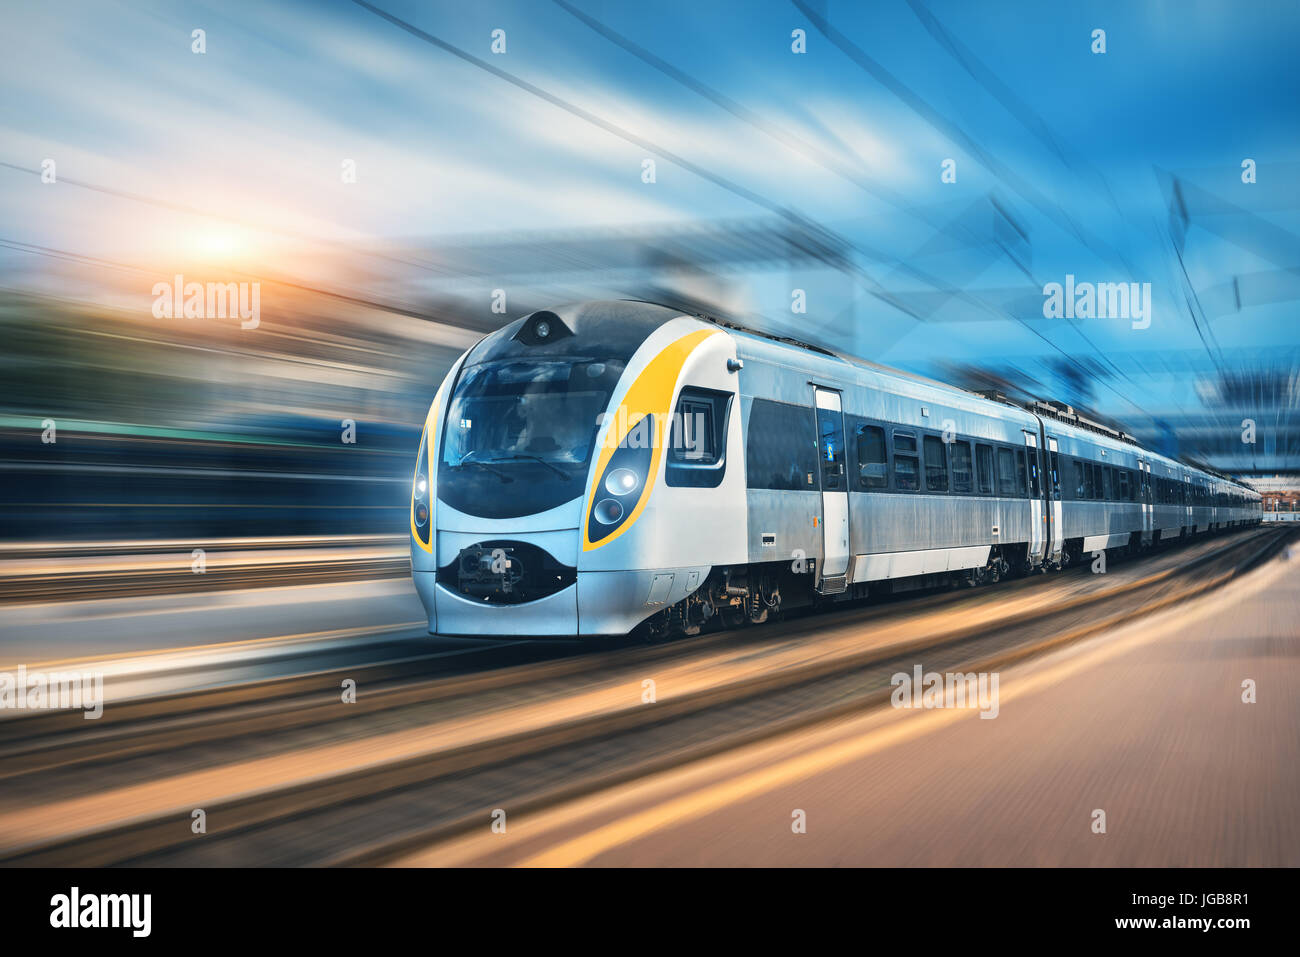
[(1067, 161)]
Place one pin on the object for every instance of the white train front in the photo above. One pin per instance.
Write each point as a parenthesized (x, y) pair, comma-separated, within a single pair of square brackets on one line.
[(610, 466)]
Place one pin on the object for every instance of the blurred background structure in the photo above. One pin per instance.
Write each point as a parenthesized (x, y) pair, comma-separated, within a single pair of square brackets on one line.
[(402, 178)]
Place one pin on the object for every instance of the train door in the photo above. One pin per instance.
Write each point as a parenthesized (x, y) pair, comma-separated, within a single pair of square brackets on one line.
[(835, 492), (1053, 484), (1148, 511), (1037, 507)]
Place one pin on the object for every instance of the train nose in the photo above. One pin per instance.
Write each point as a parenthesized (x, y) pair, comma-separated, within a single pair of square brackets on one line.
[(504, 587), (506, 573)]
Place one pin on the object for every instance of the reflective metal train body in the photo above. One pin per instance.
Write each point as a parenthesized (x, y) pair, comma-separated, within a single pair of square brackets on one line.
[(610, 466)]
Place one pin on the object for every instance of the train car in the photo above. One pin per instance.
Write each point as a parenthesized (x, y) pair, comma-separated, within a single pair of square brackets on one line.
[(607, 467)]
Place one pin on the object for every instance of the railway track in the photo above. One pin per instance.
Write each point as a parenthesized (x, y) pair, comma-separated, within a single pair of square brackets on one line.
[(391, 678), (35, 551), (404, 784), (97, 587), (100, 570)]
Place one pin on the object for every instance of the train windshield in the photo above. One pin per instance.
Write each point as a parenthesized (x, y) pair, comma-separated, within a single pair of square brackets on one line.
[(519, 434)]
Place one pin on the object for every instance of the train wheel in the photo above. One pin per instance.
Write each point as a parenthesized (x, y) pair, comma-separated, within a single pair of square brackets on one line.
[(734, 617)]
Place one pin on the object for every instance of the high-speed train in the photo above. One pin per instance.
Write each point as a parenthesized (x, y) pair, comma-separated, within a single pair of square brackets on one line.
[(614, 466)]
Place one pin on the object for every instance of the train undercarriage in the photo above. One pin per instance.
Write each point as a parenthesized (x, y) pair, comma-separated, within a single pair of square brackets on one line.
[(738, 595)]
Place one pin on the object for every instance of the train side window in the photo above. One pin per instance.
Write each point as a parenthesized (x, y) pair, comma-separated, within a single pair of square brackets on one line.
[(1080, 479), (698, 439), (781, 447), (1106, 483), (873, 468), (1022, 473), (1089, 481), (1123, 484), (907, 472), (936, 465), (1006, 472), (984, 468), (907, 468), (1034, 458), (1056, 477), (962, 479)]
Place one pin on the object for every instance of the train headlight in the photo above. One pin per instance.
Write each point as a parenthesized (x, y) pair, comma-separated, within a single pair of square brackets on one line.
[(619, 493), (420, 494), (607, 511), (621, 482)]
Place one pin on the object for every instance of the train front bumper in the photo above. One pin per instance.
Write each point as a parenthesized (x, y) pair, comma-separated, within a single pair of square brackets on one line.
[(598, 603)]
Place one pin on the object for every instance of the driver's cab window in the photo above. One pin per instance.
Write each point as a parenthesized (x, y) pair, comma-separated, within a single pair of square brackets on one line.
[(697, 443)]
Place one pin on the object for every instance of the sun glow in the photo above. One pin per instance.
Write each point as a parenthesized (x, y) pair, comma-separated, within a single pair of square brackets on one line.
[(219, 244)]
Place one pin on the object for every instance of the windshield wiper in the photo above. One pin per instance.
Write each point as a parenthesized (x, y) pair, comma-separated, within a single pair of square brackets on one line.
[(464, 460), (537, 458)]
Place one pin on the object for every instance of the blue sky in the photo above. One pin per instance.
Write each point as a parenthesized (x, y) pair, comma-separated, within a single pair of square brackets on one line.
[(242, 146)]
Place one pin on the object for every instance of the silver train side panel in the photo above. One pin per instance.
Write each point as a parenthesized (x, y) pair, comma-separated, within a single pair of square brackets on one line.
[(892, 534)]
